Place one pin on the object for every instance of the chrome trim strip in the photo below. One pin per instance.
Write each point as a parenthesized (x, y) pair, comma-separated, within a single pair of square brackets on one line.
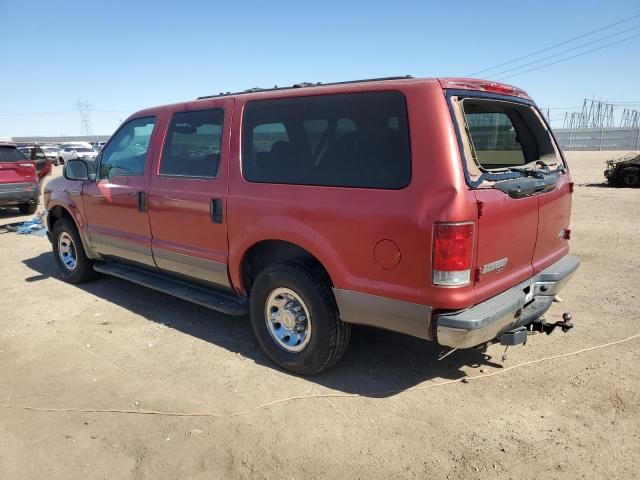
[(109, 246), (382, 312), (194, 267)]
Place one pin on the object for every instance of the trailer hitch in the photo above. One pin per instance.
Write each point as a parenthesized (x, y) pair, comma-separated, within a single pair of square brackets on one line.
[(542, 326)]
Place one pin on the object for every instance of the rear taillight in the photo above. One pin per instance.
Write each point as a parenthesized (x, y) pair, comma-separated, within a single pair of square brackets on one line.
[(452, 252)]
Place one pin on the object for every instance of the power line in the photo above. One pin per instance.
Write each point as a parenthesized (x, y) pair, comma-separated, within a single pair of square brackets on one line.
[(568, 50), (570, 57), (60, 112), (553, 46)]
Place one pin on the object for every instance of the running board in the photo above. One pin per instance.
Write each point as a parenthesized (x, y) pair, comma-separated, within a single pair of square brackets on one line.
[(221, 302)]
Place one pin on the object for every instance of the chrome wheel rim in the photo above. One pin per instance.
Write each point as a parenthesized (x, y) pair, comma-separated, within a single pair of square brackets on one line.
[(67, 251), (288, 320)]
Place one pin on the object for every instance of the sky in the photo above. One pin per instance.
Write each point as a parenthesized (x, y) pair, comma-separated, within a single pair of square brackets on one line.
[(122, 56)]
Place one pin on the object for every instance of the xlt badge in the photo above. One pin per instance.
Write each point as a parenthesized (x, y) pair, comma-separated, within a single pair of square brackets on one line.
[(497, 265)]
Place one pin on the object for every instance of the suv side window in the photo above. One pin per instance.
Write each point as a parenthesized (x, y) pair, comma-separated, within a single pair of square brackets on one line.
[(341, 140), (192, 146), (126, 153)]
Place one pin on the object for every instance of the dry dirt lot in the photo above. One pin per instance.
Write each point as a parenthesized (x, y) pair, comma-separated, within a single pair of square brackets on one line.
[(112, 345)]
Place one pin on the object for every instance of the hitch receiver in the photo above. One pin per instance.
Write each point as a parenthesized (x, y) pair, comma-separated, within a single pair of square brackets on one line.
[(547, 328), (514, 337)]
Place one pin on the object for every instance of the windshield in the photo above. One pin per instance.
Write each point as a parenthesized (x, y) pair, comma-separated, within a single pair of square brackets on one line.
[(11, 154)]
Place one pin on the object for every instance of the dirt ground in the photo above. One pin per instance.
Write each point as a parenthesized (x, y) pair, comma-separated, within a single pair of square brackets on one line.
[(114, 345)]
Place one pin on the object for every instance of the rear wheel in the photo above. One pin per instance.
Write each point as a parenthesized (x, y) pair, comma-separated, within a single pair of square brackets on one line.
[(60, 161), (295, 318), (629, 177), (69, 253), (28, 208)]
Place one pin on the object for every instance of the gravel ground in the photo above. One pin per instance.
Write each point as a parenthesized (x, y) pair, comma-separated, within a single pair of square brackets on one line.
[(113, 345)]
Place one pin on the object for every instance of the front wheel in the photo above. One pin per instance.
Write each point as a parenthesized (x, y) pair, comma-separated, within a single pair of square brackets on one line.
[(69, 253), (295, 318)]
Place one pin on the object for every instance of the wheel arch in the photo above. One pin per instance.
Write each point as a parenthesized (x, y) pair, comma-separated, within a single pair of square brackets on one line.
[(263, 253), (58, 212)]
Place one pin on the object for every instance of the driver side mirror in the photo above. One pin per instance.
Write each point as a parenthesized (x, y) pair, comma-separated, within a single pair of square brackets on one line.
[(76, 170)]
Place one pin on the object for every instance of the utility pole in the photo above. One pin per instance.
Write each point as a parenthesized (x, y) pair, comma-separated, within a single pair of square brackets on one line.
[(84, 109)]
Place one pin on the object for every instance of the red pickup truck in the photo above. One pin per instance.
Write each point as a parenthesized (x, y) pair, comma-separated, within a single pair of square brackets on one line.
[(438, 208)]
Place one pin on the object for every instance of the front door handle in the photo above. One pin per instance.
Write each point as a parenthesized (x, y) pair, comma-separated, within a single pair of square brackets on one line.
[(142, 202), (216, 210)]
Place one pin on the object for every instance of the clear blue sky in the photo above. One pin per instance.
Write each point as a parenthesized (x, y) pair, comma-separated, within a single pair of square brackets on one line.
[(121, 56)]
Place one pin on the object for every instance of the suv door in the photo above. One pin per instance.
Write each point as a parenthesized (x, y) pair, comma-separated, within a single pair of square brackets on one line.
[(115, 203), (187, 196)]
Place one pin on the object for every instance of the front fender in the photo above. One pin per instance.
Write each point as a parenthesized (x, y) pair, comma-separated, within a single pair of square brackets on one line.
[(62, 195)]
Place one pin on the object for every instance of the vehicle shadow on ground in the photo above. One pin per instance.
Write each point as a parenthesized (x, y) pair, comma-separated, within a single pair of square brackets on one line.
[(597, 185), (377, 363)]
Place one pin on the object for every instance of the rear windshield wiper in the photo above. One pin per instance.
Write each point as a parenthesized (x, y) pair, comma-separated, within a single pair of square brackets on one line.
[(530, 170)]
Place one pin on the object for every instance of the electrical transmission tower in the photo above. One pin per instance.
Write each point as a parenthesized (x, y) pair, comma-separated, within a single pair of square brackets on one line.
[(84, 109), (594, 114), (630, 118)]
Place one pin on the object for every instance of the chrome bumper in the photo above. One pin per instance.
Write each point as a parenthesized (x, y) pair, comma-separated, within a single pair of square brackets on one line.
[(485, 321)]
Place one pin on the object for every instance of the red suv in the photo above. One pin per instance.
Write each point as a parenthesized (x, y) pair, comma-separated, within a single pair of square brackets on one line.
[(438, 208), (20, 178)]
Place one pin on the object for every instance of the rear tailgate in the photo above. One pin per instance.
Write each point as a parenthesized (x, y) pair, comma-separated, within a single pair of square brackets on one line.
[(522, 188), (554, 212), (14, 167)]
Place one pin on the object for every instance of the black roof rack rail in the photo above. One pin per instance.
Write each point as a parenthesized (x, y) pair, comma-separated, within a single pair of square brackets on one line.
[(304, 85)]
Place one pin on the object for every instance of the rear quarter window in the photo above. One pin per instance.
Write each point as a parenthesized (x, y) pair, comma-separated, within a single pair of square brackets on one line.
[(345, 140)]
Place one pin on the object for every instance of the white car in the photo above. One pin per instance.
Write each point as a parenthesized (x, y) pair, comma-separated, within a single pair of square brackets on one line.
[(52, 155), (72, 152)]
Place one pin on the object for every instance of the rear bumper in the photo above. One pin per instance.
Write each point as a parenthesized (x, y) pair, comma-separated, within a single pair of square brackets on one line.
[(17, 193), (517, 306)]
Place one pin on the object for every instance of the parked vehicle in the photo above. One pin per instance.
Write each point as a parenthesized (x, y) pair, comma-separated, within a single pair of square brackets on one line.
[(18, 180), (52, 155), (624, 172), (39, 158), (438, 208), (74, 152)]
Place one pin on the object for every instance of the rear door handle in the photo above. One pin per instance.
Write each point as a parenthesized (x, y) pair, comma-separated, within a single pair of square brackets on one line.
[(216, 210)]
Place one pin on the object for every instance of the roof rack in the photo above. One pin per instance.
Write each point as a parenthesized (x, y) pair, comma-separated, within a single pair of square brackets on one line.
[(303, 85)]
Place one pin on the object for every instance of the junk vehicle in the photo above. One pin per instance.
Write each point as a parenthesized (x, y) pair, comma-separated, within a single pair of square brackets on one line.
[(437, 208), (624, 172)]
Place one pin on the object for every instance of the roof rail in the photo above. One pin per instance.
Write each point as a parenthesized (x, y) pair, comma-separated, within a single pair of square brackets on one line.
[(304, 85)]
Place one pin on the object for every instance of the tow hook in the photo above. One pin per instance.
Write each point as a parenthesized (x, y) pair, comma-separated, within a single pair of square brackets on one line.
[(542, 326)]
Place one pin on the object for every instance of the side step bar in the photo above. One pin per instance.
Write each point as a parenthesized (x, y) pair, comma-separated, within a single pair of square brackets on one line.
[(221, 302)]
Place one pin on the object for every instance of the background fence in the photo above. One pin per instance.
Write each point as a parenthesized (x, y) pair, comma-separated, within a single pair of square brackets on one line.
[(598, 138)]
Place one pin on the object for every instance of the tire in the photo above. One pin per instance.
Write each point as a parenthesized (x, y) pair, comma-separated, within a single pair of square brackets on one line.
[(67, 246), (60, 161), (629, 177), (28, 208), (326, 337)]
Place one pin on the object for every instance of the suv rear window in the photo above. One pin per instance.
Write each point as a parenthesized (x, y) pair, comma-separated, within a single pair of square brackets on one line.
[(11, 154), (344, 140), (505, 134)]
